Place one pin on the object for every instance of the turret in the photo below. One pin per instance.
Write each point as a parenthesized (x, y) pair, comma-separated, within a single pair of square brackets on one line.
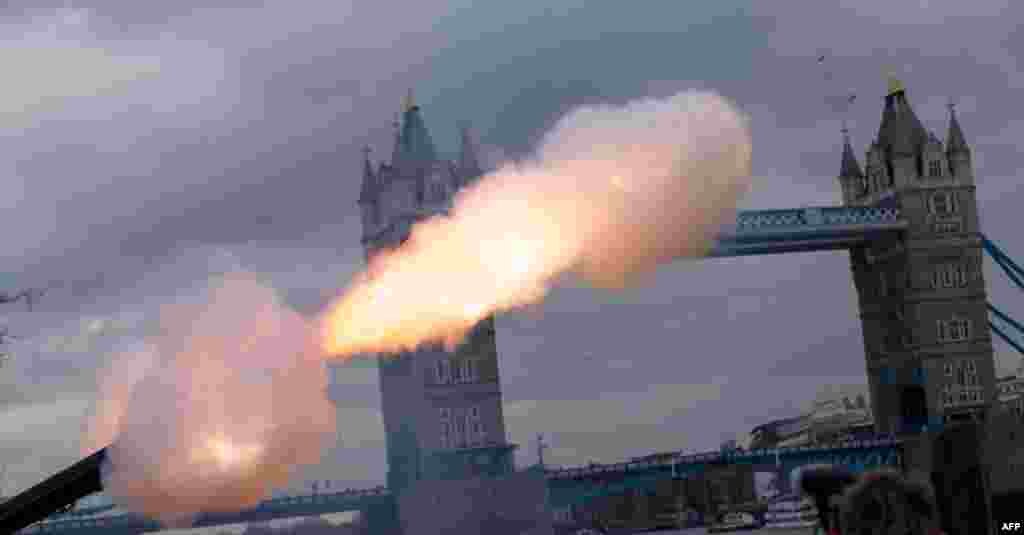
[(850, 175), (416, 148), (957, 151), (879, 172), (396, 150), (934, 166), (902, 137), (469, 164), (922, 293), (368, 195)]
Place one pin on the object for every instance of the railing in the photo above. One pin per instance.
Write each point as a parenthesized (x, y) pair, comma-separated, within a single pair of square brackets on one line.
[(680, 458), (325, 497), (107, 515), (832, 216)]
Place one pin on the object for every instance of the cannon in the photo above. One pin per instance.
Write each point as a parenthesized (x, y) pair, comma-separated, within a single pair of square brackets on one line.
[(56, 494)]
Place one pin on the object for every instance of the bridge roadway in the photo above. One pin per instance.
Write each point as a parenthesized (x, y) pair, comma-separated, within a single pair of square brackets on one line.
[(758, 232), (754, 232), (567, 486)]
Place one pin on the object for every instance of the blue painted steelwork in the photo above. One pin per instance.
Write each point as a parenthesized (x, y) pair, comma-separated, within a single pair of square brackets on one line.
[(1002, 324), (805, 229), (1013, 271), (576, 485), (566, 486), (288, 507), (999, 323)]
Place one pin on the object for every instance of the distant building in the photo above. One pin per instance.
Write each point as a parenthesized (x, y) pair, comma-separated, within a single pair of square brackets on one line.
[(829, 419), (769, 435)]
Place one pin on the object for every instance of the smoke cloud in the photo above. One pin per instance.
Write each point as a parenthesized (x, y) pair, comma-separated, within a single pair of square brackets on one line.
[(230, 395), (613, 191), (218, 409)]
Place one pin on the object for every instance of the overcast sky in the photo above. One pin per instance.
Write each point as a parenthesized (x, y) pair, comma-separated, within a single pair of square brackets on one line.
[(146, 145)]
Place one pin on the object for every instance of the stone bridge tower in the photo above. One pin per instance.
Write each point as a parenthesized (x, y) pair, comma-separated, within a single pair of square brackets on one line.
[(442, 410), (922, 293)]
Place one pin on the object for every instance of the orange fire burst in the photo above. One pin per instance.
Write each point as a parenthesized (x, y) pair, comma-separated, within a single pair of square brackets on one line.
[(226, 453)]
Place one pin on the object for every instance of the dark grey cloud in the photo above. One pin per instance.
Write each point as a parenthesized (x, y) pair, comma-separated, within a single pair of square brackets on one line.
[(246, 140)]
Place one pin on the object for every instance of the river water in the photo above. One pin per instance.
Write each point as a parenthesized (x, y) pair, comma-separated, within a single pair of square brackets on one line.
[(700, 531)]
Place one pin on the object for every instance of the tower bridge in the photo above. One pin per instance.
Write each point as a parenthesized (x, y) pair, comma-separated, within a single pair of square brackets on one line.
[(909, 220)]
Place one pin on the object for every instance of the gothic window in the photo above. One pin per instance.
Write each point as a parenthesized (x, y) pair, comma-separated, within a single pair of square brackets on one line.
[(879, 180), (942, 227), (950, 276), (954, 330), (475, 425), (459, 432), (970, 373), (456, 371), (437, 191), (935, 168), (444, 372), (469, 370), (446, 428), (942, 203)]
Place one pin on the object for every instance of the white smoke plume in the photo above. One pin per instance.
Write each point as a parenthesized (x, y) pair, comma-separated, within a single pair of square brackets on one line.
[(613, 192), (218, 410), (233, 397)]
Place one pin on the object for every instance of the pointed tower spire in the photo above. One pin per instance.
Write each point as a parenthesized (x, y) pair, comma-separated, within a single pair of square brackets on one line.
[(396, 151), (901, 132), (409, 102), (955, 141), (469, 164), (368, 192), (416, 145), (849, 167), (895, 85)]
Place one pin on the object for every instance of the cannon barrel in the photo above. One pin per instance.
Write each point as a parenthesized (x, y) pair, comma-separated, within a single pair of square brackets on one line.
[(53, 495)]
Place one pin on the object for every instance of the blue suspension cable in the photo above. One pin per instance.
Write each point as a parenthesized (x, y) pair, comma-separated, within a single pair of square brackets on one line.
[(1006, 338), (1015, 277), (1013, 271), (1003, 255), (1003, 316), (1016, 274)]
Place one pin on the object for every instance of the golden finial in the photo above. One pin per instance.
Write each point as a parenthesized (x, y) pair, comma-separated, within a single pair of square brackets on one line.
[(895, 85), (408, 103)]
